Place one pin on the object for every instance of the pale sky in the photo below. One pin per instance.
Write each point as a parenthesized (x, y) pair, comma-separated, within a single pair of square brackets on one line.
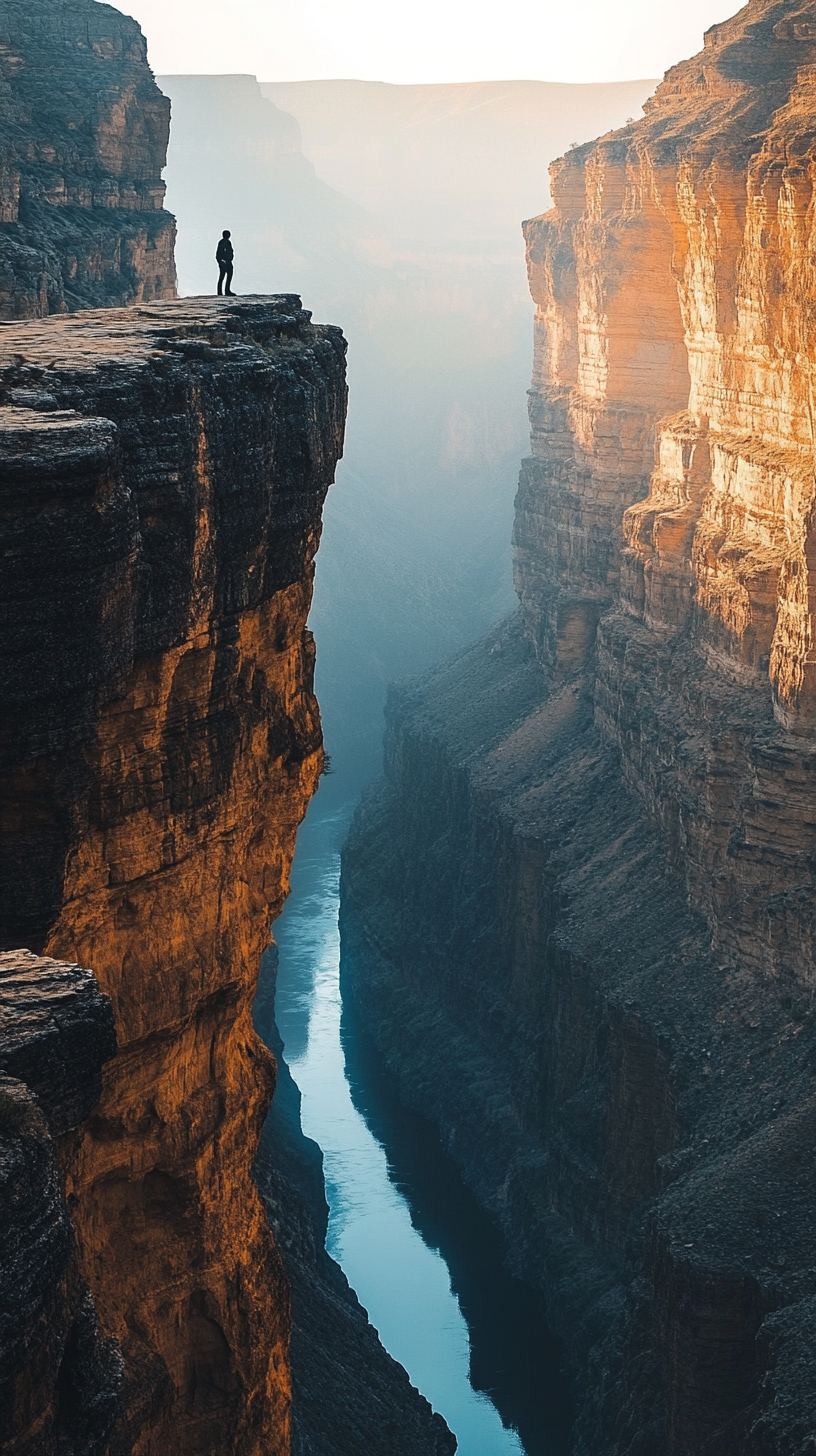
[(425, 40)]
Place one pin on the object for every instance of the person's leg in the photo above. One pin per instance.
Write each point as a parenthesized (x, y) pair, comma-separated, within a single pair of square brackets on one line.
[(228, 289), (222, 271)]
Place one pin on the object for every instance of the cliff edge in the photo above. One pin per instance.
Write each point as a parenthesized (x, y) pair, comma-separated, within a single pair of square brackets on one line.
[(584, 892), (83, 140), (163, 473)]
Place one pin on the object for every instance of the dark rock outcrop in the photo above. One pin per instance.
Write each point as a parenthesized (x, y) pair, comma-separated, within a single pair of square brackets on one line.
[(83, 141), (60, 1377), (163, 474), (577, 914)]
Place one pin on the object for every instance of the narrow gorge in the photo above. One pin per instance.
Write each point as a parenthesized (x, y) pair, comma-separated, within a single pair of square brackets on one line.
[(576, 939), (577, 911)]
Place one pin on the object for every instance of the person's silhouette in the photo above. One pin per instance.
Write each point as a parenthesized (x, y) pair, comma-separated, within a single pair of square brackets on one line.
[(223, 257)]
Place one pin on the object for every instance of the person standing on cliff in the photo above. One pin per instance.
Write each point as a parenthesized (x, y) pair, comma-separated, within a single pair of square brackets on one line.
[(223, 257)]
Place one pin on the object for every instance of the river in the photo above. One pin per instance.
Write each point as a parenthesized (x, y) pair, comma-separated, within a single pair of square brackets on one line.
[(424, 1260)]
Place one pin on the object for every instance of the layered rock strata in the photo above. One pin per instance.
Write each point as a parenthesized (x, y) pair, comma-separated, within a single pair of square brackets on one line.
[(578, 913), (84, 132), (60, 1377), (163, 473)]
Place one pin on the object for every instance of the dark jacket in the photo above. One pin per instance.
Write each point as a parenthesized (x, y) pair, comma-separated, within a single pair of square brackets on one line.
[(224, 253)]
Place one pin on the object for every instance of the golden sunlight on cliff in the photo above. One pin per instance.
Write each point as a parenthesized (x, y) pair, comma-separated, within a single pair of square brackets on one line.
[(689, 288), (175, 672), (171, 904)]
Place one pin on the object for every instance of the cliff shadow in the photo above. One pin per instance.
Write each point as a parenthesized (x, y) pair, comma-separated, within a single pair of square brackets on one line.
[(514, 1357)]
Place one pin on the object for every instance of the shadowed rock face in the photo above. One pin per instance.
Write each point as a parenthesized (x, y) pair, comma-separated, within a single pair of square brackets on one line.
[(584, 892), (164, 470), (60, 1378), (84, 141)]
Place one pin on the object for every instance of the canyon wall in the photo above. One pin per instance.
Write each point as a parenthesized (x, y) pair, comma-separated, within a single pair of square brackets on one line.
[(578, 911), (84, 141), (163, 474)]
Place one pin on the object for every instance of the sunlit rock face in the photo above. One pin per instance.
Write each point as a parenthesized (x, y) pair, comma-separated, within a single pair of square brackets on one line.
[(672, 475), (84, 140), (164, 470), (578, 911)]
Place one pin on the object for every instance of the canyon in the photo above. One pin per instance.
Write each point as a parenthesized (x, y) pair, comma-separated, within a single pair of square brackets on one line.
[(576, 911)]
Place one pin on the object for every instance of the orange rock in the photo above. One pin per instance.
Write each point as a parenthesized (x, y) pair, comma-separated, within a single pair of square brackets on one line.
[(672, 276), (181, 761)]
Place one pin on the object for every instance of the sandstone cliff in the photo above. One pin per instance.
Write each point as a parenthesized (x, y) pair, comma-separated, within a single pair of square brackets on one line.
[(163, 473), (578, 913), (83, 140)]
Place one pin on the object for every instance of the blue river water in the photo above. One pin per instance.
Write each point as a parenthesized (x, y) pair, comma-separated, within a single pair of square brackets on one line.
[(422, 1257)]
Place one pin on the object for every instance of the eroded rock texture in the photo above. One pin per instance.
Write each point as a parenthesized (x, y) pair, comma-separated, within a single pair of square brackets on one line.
[(163, 473), (578, 913), (84, 132), (60, 1377)]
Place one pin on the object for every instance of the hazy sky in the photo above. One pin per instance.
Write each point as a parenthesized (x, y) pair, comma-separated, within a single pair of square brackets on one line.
[(426, 40)]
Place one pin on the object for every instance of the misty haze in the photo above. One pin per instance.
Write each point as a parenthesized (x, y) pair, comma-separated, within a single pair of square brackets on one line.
[(398, 210)]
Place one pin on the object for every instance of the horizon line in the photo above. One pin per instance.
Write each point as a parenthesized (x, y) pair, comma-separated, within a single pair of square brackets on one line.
[(401, 85)]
